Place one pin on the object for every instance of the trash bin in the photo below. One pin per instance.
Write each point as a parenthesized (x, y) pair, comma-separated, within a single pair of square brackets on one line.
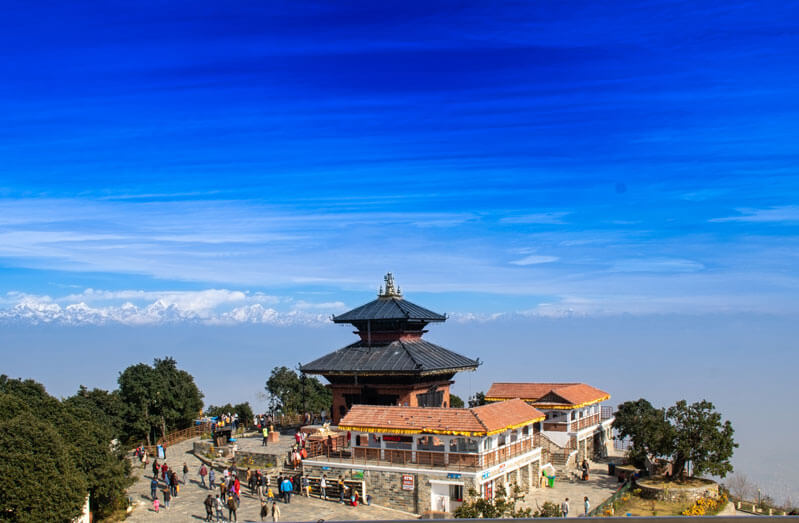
[(551, 481), (612, 469)]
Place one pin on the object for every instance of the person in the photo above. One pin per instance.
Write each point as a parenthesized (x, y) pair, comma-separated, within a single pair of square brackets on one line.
[(220, 509), (144, 459), (209, 508), (156, 505), (211, 478), (167, 497), (231, 508), (306, 487), (185, 473), (203, 473), (264, 511), (265, 432), (342, 489), (286, 489), (153, 488), (586, 506), (564, 508), (237, 490), (323, 487), (354, 498), (585, 470), (270, 496), (173, 483), (164, 470), (280, 487), (156, 467), (275, 512)]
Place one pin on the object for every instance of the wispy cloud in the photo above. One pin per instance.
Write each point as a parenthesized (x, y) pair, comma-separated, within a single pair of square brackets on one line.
[(779, 214), (535, 259), (543, 218)]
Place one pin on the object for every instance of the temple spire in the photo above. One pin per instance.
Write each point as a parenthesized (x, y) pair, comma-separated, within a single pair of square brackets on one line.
[(390, 290)]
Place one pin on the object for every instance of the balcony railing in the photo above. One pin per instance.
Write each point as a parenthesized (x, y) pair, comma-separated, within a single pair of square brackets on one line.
[(419, 458)]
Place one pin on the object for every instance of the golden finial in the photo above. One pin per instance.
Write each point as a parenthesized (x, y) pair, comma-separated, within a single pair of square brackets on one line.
[(390, 291)]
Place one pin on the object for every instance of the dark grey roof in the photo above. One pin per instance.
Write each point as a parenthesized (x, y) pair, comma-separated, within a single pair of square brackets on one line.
[(400, 357), (389, 308)]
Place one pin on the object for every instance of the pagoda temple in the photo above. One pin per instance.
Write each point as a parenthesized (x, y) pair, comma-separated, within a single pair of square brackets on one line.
[(390, 364)]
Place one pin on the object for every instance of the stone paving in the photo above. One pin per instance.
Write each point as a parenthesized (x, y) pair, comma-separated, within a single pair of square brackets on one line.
[(188, 506), (598, 488)]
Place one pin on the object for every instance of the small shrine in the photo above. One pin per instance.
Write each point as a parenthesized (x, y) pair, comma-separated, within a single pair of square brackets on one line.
[(390, 364)]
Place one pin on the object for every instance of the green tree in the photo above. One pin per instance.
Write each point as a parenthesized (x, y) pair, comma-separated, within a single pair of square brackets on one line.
[(477, 400), (498, 507), (42, 481), (157, 399), (455, 401), (680, 433), (647, 427), (701, 437), (242, 409), (85, 432), (291, 393)]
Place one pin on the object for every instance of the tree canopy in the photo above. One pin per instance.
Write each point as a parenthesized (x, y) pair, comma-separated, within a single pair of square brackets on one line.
[(242, 409), (157, 399), (57, 452), (291, 393), (455, 401), (680, 433)]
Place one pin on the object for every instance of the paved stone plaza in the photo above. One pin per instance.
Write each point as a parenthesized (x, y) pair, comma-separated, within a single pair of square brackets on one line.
[(598, 488), (188, 506)]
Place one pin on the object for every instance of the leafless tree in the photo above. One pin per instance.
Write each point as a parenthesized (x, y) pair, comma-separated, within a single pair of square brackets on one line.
[(740, 486)]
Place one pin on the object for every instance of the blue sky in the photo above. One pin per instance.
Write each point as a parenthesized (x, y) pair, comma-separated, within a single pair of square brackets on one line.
[(177, 166), (587, 159)]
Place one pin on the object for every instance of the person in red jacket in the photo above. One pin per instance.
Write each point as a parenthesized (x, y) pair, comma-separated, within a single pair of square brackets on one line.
[(237, 490)]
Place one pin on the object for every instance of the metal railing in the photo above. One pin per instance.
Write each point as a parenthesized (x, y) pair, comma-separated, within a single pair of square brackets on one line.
[(600, 509)]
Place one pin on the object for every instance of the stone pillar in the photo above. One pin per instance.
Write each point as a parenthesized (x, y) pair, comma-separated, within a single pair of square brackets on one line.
[(413, 450), (382, 448), (447, 442)]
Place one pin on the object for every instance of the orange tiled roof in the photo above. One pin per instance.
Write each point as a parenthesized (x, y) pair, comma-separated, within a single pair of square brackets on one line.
[(477, 421), (566, 395)]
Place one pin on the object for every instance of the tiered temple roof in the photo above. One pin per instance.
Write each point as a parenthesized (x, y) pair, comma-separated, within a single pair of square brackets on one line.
[(391, 343)]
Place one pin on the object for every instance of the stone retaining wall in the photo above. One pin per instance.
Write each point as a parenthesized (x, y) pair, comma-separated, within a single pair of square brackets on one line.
[(678, 493)]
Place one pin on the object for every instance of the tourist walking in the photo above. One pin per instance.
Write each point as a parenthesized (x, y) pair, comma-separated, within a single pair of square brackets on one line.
[(156, 505), (209, 508), (231, 509), (323, 487), (275, 512), (156, 467), (264, 510), (342, 489), (586, 506), (265, 432), (286, 489), (185, 473), (211, 478), (306, 487), (153, 488), (203, 473), (220, 509), (167, 497), (564, 508)]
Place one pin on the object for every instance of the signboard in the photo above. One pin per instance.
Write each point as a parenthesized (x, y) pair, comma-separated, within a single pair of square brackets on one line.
[(453, 476), (357, 474), (325, 468), (486, 474), (407, 482)]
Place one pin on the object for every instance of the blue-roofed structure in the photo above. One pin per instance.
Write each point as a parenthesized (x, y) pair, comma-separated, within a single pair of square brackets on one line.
[(391, 364)]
